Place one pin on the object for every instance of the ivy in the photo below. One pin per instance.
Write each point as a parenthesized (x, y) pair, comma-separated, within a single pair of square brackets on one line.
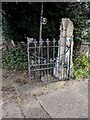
[(14, 59), (81, 67)]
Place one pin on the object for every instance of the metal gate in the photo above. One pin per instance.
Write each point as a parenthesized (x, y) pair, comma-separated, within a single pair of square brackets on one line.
[(42, 57)]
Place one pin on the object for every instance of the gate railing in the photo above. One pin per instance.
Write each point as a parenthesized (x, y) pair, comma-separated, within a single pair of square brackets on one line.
[(42, 57)]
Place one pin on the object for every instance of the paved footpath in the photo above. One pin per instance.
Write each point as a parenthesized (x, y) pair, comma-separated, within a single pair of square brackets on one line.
[(55, 100)]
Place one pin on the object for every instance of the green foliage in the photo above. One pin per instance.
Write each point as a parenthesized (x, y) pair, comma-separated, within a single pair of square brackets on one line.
[(14, 59), (81, 67), (23, 19)]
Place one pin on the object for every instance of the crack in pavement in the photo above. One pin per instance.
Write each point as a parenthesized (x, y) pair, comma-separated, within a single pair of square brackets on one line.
[(19, 104), (42, 106)]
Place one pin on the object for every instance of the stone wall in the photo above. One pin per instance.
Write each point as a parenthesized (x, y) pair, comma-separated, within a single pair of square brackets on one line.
[(85, 48)]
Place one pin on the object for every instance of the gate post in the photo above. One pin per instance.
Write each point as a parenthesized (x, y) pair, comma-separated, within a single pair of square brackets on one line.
[(64, 58)]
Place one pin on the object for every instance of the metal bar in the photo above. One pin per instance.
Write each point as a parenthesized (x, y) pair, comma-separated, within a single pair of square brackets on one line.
[(54, 41), (42, 59), (45, 47), (41, 74), (39, 66), (64, 49), (45, 64), (69, 60), (64, 73), (35, 43), (28, 60), (54, 46), (59, 58), (43, 69), (47, 55), (51, 65), (42, 63)]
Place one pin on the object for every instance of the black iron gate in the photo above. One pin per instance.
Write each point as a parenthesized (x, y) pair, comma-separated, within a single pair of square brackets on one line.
[(42, 58)]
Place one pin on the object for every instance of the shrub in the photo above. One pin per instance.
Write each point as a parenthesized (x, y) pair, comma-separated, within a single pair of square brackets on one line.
[(14, 58), (81, 67)]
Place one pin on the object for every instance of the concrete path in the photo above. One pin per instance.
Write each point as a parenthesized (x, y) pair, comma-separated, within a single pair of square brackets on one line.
[(70, 102), (55, 100)]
